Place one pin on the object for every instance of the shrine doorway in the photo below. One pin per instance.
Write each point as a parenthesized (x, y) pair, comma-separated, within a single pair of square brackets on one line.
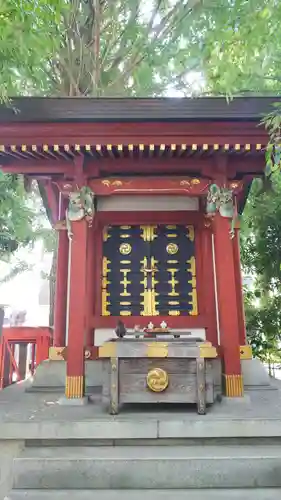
[(149, 270)]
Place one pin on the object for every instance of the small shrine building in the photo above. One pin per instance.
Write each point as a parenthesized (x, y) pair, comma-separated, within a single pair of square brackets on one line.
[(145, 195)]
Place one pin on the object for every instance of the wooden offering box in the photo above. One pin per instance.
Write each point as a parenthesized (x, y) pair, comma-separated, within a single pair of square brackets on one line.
[(155, 371)]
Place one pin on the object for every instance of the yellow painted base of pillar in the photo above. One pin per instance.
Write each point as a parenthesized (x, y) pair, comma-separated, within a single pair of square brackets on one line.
[(234, 386), (74, 387)]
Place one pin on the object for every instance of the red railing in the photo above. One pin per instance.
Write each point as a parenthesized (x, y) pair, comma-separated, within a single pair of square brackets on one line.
[(39, 338)]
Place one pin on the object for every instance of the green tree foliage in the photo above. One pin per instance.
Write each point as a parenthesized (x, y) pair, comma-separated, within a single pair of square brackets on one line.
[(93, 47), (239, 47), (261, 257), (16, 217)]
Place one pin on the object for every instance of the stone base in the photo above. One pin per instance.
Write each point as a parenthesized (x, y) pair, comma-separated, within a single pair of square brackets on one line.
[(255, 375), (50, 376), (64, 401)]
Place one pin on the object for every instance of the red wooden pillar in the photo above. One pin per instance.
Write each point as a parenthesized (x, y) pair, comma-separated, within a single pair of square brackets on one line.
[(89, 339), (74, 387), (239, 288), (227, 307), (61, 290), (209, 287)]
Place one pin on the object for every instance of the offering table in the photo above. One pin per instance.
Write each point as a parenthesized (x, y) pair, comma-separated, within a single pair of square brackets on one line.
[(156, 371)]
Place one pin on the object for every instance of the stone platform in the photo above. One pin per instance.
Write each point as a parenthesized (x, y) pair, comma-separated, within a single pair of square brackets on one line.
[(235, 447)]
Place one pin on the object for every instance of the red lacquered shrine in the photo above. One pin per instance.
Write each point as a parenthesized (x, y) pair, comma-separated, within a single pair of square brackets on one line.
[(145, 195)]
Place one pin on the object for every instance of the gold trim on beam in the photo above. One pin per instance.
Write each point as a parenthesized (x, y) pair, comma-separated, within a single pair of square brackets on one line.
[(107, 350), (246, 352), (57, 353), (247, 147), (237, 147), (194, 147), (99, 149), (205, 147), (207, 350), (216, 147), (226, 147), (258, 147), (88, 149), (157, 350)]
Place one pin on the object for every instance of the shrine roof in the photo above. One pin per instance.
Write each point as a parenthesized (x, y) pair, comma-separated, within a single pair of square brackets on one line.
[(81, 109)]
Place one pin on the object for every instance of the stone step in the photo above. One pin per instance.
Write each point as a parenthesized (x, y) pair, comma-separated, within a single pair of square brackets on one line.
[(148, 467), (216, 494)]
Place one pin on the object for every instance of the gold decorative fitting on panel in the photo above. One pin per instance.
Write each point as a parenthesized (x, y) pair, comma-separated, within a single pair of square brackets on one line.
[(57, 353), (207, 350), (258, 147), (246, 352), (216, 147), (157, 380), (172, 248), (125, 248), (195, 181), (247, 147)]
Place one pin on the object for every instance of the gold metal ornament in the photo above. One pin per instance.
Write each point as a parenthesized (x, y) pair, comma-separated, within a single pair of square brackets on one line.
[(125, 248), (157, 380), (172, 248)]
